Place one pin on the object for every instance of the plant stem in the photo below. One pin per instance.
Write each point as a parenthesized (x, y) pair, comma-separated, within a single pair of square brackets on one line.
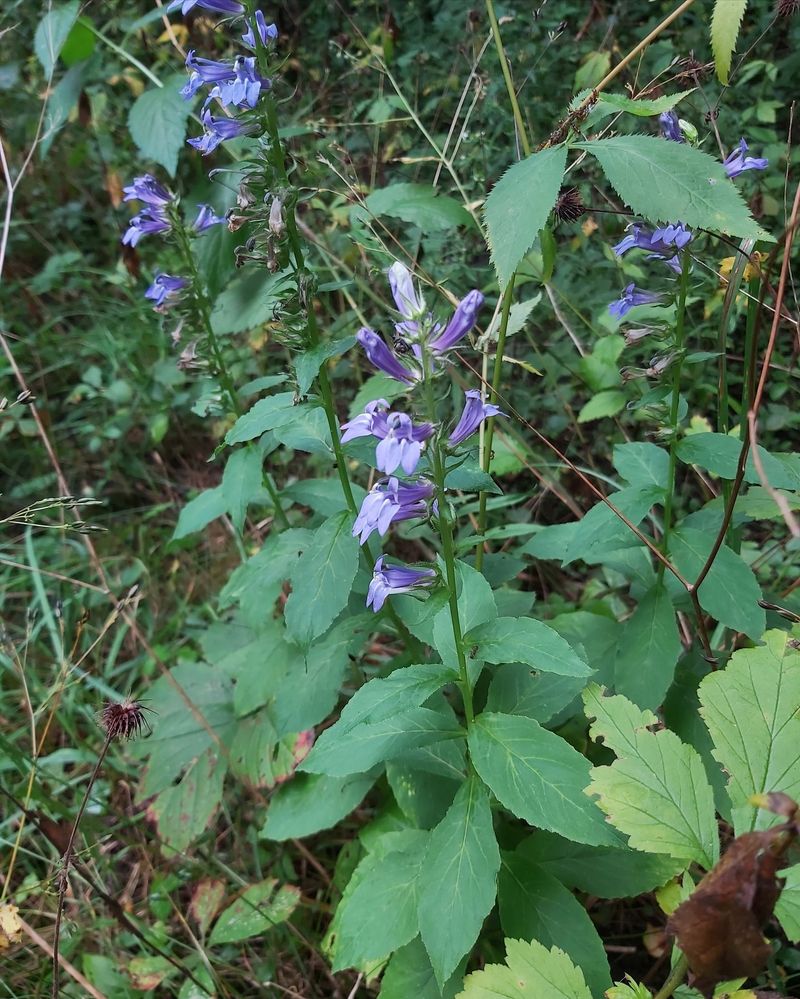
[(676, 977), (512, 95), (680, 334), (486, 448)]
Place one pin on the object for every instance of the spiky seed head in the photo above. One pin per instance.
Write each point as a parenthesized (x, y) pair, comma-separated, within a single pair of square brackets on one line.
[(569, 205), (123, 719)]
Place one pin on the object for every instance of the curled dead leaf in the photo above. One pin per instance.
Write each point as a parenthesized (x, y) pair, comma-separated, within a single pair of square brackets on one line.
[(10, 926)]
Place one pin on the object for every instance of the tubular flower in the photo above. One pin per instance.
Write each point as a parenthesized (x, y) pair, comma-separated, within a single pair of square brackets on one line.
[(218, 6), (656, 241), (390, 500), (164, 289), (206, 218), (408, 300), (737, 162), (148, 190), (237, 83), (144, 224), (670, 126), (390, 580), (267, 32), (632, 296), (218, 130), (461, 323), (474, 413), (383, 359), (400, 442)]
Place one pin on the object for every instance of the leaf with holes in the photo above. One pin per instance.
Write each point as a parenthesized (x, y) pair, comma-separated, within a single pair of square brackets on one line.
[(256, 911)]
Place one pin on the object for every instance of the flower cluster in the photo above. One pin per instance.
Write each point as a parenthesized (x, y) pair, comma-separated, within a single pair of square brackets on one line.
[(419, 343), (736, 162)]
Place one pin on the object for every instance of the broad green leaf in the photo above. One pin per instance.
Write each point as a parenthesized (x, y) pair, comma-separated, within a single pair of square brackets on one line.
[(538, 776), (719, 453), (592, 69), (536, 906), (607, 403), (752, 710), (52, 32), (157, 122), (266, 414), (531, 971), (787, 908), (420, 205), (605, 871), (241, 482), (517, 318), (423, 797), (518, 207), (648, 650), (476, 606), (730, 592), (642, 463), (308, 362), (249, 301), (364, 745), (516, 689), (663, 181), (409, 974), (524, 640), (378, 910), (656, 792), (324, 496), (255, 583), (308, 431), (200, 511), (322, 579), (601, 529), (725, 23), (80, 42), (458, 880), (63, 98), (183, 810), (629, 990), (260, 756), (256, 911)]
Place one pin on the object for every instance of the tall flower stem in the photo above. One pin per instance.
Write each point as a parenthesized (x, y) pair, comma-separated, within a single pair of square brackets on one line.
[(488, 435), (221, 369), (680, 336), (512, 94), (675, 979)]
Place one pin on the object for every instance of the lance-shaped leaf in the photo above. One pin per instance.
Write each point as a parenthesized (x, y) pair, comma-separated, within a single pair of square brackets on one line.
[(725, 23), (531, 971), (657, 791), (524, 640), (648, 650), (751, 710), (458, 881)]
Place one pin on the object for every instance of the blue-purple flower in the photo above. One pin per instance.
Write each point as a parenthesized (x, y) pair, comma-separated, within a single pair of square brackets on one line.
[(658, 242), (390, 580), (238, 83), (474, 413), (147, 222), (632, 296), (410, 304), (400, 442), (383, 359), (670, 126), (164, 289), (218, 6), (206, 217), (461, 323), (218, 130), (149, 191), (390, 500), (737, 162), (267, 32)]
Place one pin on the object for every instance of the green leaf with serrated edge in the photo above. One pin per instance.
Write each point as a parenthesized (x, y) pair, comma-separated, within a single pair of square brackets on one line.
[(605, 871), (607, 403), (409, 974), (309, 803), (420, 205), (538, 776), (719, 453), (475, 606), (642, 107), (787, 908), (601, 528), (308, 363), (422, 797), (518, 207), (730, 592), (183, 810), (157, 122), (628, 990), (752, 710), (256, 911), (531, 971), (381, 698), (516, 689), (241, 482), (648, 650), (458, 880), (322, 579), (524, 640), (324, 496), (378, 910), (663, 181), (51, 33), (271, 565), (267, 414), (248, 301), (199, 512), (656, 792), (725, 23), (642, 463), (536, 906), (364, 745)]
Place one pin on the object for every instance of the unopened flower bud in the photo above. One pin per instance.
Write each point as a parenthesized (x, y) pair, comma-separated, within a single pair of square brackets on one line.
[(276, 223)]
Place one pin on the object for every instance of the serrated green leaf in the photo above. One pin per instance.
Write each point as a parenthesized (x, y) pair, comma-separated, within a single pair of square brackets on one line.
[(409, 973), (730, 592), (648, 650), (642, 463), (719, 453), (249, 301), (531, 971), (536, 906), (538, 776), (266, 414), (752, 710), (183, 810), (308, 362), (458, 880), (787, 908), (656, 792), (602, 530), (241, 482), (420, 205), (629, 990), (663, 181), (524, 640), (256, 911), (642, 107), (606, 403), (516, 689), (52, 32), (322, 579), (725, 23), (157, 122), (518, 207), (476, 605)]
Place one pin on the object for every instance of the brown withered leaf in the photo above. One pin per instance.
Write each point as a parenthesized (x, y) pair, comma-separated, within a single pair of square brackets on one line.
[(719, 927)]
